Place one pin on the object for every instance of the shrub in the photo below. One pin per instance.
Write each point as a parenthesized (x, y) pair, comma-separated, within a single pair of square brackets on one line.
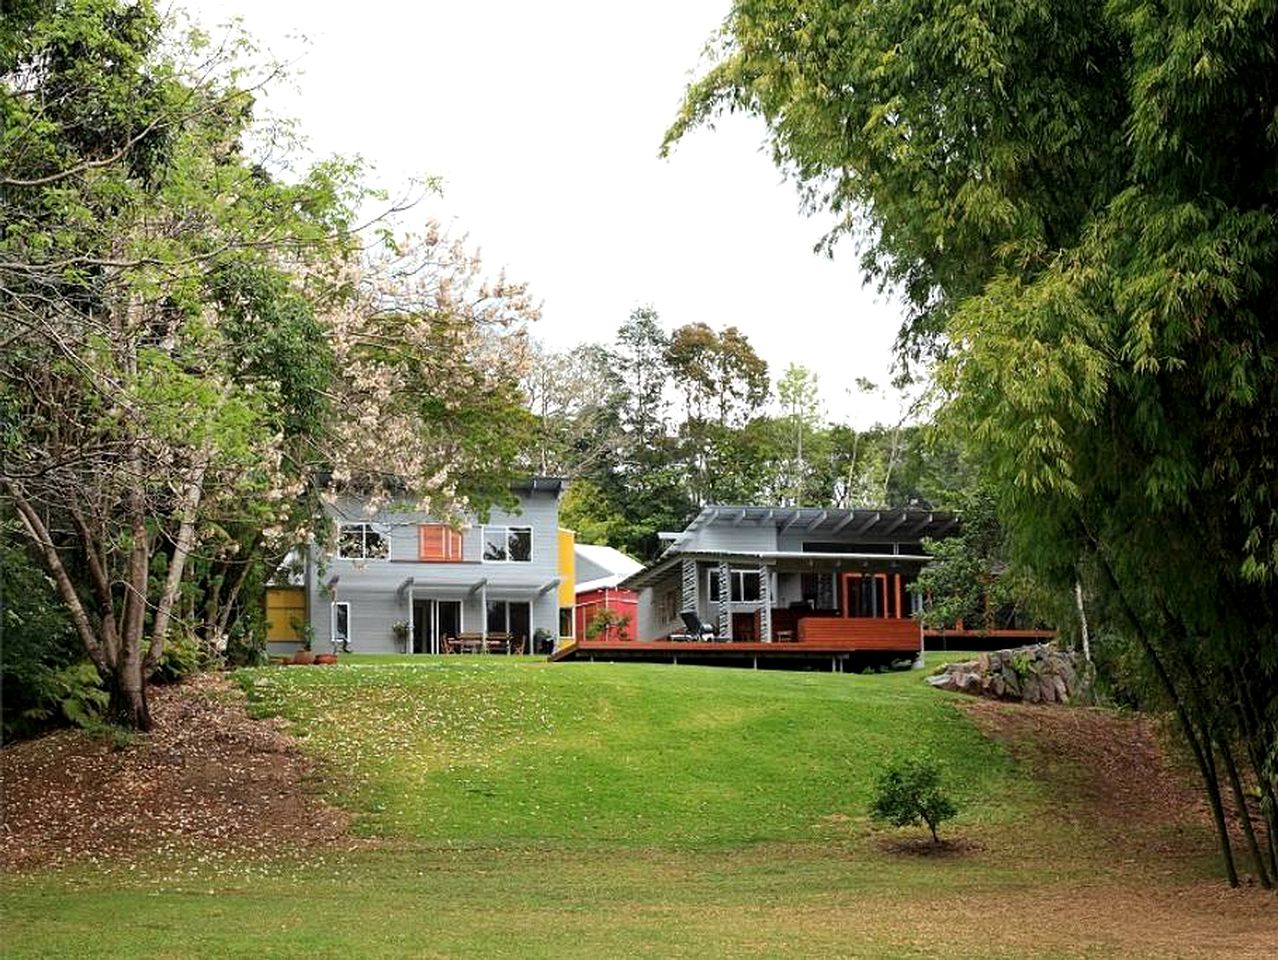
[(181, 658), (607, 622), (44, 679), (909, 792), (245, 647)]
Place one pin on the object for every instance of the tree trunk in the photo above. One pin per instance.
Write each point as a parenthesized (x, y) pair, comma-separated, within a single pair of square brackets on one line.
[(1201, 749), (37, 531), (1082, 621), (128, 706), (1244, 813), (182, 545)]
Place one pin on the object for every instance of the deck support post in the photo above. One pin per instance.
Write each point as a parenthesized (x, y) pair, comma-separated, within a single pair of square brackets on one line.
[(755, 658), (724, 625), (765, 603)]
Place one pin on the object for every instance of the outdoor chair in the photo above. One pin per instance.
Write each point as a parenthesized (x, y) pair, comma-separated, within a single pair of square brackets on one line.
[(696, 629)]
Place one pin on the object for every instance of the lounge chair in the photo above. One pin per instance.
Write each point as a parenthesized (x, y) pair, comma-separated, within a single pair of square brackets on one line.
[(696, 629)]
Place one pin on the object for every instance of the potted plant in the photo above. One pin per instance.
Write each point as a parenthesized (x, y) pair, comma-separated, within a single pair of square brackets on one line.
[(307, 634), (399, 630)]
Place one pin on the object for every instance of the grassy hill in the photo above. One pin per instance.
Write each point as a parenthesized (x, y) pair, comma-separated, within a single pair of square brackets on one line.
[(492, 752), (514, 808)]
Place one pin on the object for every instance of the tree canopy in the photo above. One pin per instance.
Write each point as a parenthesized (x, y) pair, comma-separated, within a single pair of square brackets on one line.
[(194, 347), (1079, 204)]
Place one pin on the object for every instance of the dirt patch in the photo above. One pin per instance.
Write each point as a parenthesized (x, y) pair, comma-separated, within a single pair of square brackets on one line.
[(949, 848), (1107, 771), (209, 778)]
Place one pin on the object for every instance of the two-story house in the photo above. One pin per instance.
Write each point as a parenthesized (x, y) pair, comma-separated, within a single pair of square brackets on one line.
[(403, 582)]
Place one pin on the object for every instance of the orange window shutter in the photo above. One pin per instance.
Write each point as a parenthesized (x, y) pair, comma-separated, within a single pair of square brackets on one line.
[(430, 542), (435, 541)]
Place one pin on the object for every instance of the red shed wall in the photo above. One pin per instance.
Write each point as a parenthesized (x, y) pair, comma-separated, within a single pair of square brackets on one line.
[(623, 602)]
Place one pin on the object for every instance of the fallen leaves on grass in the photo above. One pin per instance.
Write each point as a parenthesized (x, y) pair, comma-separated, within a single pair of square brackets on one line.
[(209, 784)]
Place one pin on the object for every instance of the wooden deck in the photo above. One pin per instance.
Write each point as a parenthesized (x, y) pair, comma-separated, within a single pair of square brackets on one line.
[(831, 643), (840, 644)]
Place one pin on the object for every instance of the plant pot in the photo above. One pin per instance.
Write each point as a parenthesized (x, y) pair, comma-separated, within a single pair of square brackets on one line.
[(303, 657), (326, 658)]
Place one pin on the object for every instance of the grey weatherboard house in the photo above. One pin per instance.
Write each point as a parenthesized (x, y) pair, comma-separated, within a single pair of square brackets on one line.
[(496, 577)]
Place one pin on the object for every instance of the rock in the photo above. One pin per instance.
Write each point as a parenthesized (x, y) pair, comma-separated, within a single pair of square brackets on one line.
[(1011, 682), (1030, 691), (1061, 689)]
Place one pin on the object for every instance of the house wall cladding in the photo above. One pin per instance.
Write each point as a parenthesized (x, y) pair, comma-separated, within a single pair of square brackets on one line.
[(369, 586)]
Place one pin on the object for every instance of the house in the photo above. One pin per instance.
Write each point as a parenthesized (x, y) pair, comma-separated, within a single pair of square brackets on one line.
[(782, 583), (406, 582), (599, 571)]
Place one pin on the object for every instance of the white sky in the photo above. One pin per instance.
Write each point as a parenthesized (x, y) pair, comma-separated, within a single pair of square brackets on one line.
[(544, 120)]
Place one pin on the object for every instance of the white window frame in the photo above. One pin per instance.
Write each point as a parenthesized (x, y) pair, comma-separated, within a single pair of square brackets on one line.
[(712, 583), (507, 527), (367, 527)]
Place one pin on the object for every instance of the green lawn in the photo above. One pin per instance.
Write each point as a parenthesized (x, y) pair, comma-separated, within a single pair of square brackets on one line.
[(485, 751), (519, 808)]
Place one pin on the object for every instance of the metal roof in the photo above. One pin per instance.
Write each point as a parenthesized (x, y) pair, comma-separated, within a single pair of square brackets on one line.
[(796, 558), (865, 523)]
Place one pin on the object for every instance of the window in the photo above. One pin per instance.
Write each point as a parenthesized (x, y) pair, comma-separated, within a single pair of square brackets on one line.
[(566, 621), (508, 544), (359, 541), (342, 624), (508, 616), (745, 585), (438, 542)]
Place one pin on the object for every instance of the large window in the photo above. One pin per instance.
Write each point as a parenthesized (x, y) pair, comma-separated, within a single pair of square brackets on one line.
[(508, 544), (439, 543), (360, 541), (745, 585)]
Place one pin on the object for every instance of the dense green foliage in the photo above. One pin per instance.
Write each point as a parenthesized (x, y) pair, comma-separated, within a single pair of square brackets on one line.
[(44, 678), (642, 462), (909, 793), (1078, 201)]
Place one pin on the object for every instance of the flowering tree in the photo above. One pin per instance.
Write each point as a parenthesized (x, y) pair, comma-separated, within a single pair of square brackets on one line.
[(188, 342)]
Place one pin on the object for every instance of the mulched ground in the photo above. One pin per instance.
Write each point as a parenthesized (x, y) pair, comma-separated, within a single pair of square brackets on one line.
[(1111, 772), (209, 777)]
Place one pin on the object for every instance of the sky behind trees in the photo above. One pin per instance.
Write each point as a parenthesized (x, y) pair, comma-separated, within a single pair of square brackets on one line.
[(543, 121)]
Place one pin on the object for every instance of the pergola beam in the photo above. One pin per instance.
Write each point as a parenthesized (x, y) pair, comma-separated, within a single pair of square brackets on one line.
[(919, 527), (897, 522), (875, 518)]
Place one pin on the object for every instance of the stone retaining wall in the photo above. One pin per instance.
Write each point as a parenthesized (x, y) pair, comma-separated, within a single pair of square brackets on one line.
[(1035, 674)]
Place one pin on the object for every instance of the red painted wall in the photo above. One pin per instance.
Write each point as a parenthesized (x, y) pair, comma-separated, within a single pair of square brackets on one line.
[(624, 602)]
